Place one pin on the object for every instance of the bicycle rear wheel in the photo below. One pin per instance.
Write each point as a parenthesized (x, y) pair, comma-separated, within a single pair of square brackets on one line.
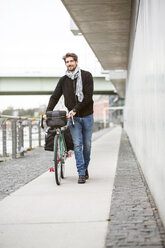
[(57, 159)]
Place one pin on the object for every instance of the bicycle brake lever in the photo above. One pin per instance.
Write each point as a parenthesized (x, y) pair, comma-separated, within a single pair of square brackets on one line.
[(72, 119), (42, 122)]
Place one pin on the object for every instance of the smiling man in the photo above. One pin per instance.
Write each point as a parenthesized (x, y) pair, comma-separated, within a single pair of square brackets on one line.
[(77, 88)]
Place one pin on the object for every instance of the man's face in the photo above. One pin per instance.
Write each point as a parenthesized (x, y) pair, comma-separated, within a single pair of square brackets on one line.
[(70, 63)]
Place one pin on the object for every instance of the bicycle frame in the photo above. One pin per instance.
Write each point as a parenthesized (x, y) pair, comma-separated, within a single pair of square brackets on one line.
[(62, 144)]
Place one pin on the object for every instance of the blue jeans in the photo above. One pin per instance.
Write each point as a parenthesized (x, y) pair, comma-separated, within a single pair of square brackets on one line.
[(81, 135)]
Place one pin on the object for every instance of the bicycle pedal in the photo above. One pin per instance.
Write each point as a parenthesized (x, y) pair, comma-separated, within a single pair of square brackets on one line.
[(51, 169)]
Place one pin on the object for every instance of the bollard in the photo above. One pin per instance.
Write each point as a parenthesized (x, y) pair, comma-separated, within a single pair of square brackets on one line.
[(4, 139), (14, 137)]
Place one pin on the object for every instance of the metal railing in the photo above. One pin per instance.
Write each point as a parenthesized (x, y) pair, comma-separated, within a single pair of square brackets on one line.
[(110, 109), (13, 128)]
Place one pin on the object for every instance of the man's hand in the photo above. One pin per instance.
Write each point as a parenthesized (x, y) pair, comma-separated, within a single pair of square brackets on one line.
[(71, 113), (45, 117)]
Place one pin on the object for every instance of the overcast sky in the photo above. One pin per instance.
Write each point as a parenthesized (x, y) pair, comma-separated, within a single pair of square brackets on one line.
[(35, 34)]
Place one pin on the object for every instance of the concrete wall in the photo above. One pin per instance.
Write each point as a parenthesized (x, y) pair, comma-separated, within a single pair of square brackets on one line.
[(145, 97)]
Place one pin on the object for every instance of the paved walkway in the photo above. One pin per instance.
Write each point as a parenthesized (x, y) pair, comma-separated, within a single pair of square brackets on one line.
[(113, 209), (42, 214), (16, 173)]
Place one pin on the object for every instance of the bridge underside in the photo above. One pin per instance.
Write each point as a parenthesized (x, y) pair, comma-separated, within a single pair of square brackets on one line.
[(105, 24), (45, 86)]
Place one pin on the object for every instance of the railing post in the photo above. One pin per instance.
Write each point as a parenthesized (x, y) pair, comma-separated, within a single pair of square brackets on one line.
[(14, 138), (104, 117), (4, 138), (39, 135), (20, 139), (30, 134)]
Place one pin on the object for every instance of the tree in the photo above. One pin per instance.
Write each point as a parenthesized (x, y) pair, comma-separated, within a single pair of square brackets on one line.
[(8, 111), (23, 112)]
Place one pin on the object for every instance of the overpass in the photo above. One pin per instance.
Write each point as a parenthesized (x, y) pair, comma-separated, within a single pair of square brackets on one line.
[(44, 85)]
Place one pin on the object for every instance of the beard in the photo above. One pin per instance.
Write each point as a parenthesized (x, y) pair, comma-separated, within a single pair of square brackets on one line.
[(71, 67)]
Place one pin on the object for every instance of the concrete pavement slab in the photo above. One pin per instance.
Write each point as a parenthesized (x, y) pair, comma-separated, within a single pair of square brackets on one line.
[(42, 214)]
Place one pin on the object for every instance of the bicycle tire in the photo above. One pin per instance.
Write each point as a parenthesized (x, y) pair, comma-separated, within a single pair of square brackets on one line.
[(64, 155), (57, 159)]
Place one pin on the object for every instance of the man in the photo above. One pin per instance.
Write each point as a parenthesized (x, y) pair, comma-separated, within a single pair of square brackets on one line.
[(77, 88)]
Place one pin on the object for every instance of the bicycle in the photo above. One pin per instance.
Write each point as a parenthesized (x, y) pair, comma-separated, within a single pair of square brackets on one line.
[(57, 121)]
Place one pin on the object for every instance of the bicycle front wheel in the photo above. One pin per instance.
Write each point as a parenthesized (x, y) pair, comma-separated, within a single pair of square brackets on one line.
[(64, 156), (57, 159)]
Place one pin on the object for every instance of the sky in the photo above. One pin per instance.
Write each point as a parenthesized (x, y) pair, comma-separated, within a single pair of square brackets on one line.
[(35, 34)]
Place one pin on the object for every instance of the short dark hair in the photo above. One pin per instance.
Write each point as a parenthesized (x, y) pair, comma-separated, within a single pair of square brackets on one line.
[(73, 55)]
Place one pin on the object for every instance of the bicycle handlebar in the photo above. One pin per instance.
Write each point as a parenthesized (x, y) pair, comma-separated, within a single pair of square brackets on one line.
[(42, 121)]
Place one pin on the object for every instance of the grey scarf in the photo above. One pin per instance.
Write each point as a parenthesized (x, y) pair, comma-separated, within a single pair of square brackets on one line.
[(73, 75)]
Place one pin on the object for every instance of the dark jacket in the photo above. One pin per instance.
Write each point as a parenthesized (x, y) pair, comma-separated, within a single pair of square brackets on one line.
[(65, 87)]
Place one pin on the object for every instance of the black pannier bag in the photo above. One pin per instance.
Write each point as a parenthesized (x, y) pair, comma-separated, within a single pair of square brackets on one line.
[(68, 139), (49, 139), (56, 118)]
